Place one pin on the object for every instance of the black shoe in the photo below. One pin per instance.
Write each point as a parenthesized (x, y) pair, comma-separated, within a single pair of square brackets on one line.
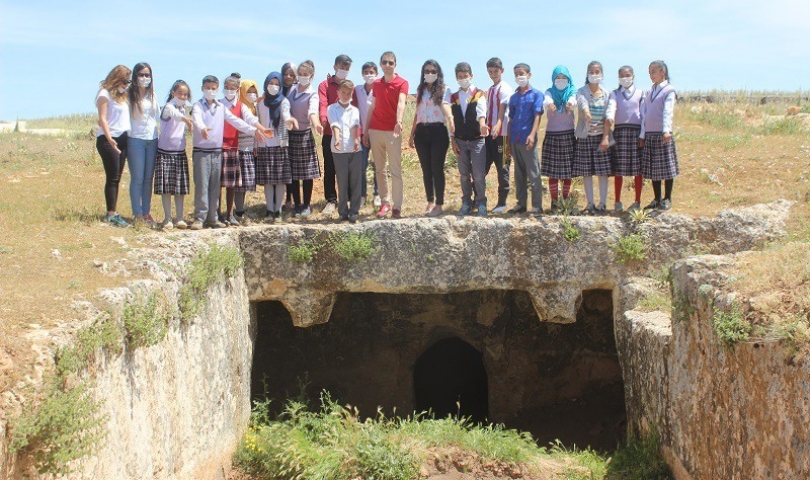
[(343, 218), (653, 205), (353, 218), (665, 205), (516, 210)]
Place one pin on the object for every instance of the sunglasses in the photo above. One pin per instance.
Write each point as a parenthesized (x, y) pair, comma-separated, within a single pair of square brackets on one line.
[(127, 82), (387, 62), (433, 72)]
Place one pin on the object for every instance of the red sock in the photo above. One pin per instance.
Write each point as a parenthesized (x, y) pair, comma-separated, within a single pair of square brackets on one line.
[(639, 182), (566, 188), (618, 182), (553, 188)]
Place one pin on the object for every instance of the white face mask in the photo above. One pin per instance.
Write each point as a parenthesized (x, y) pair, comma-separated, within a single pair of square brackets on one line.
[(464, 82), (210, 94), (144, 82), (179, 103), (522, 80), (253, 97), (626, 82), (229, 94), (594, 79), (369, 79), (273, 89), (561, 83), (122, 89), (304, 81), (341, 74), (431, 77)]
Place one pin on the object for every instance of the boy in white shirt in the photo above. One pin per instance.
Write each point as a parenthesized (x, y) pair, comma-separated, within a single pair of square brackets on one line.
[(497, 143), (344, 120), (469, 107)]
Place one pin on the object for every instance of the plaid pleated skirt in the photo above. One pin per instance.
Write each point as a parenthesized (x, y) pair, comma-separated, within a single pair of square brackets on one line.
[(273, 166), (171, 173), (588, 161), (231, 175), (558, 154), (303, 157), (659, 160), (627, 155), (247, 169)]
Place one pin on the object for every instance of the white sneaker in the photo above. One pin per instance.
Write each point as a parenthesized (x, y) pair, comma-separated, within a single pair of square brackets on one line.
[(180, 224), (329, 209), (499, 209), (167, 224), (377, 201), (635, 206), (618, 207), (305, 213)]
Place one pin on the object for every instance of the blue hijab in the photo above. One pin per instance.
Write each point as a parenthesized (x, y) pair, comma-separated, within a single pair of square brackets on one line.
[(273, 102), (561, 96)]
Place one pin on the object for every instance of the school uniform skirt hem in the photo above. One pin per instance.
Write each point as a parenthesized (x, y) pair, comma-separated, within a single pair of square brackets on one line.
[(303, 156), (659, 160), (171, 173), (588, 161), (247, 171), (273, 166), (627, 155), (558, 153)]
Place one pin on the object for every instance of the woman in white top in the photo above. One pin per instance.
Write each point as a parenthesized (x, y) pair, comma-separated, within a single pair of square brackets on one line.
[(111, 142), (142, 141), (430, 135)]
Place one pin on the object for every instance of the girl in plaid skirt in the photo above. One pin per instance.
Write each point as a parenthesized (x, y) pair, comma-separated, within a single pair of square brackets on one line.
[(304, 104), (171, 164), (559, 143), (624, 115), (273, 168), (248, 95), (659, 160), (591, 132)]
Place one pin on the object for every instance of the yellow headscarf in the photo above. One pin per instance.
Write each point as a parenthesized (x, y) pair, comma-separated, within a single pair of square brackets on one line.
[(244, 86)]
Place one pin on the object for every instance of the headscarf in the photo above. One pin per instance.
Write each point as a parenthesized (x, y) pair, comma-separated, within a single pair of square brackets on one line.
[(561, 96), (285, 89), (273, 102), (244, 86)]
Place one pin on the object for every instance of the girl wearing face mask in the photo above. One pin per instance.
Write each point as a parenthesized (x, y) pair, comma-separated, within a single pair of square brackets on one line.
[(111, 141), (429, 133), (142, 141), (248, 97), (171, 164), (289, 76), (592, 132), (659, 160), (559, 143), (273, 169), (303, 157), (231, 139), (624, 115)]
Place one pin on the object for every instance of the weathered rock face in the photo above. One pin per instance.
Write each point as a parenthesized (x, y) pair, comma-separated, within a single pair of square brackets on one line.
[(721, 413)]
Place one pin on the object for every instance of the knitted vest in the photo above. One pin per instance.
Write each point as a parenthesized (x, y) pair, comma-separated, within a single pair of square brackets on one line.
[(466, 124)]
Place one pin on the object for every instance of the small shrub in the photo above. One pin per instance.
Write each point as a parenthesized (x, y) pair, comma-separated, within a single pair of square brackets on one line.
[(639, 458), (145, 321), (567, 206), (730, 326), (353, 246), (793, 331), (569, 231), (639, 216), (66, 426), (104, 333), (630, 247), (303, 253), (204, 271)]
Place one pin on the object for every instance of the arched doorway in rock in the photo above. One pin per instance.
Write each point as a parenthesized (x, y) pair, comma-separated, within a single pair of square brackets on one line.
[(450, 374)]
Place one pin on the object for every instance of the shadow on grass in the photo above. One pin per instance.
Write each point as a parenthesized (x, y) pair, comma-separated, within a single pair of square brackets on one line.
[(76, 215)]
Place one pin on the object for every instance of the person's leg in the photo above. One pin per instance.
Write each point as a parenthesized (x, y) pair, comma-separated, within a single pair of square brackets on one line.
[(656, 184), (356, 174), (465, 172), (137, 161), (379, 156), (440, 142), (566, 187), (111, 161), (618, 183), (478, 157), (638, 185), (269, 198), (341, 165), (278, 196), (295, 191), (239, 203), (553, 185), (603, 189), (230, 196), (502, 162), (587, 181), (535, 181), (148, 176), (166, 199), (178, 206), (214, 186), (202, 171), (364, 158), (668, 184), (394, 147), (521, 194), (307, 193), (329, 192), (423, 142)]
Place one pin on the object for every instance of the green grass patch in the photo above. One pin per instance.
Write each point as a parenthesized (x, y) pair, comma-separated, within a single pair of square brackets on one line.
[(103, 334), (146, 321), (353, 246), (205, 270), (656, 300), (303, 252), (785, 126), (78, 121), (639, 459), (630, 247), (569, 231), (731, 327)]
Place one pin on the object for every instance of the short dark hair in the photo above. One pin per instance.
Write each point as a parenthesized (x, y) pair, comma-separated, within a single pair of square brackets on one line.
[(342, 59), (210, 79), (495, 62), (463, 67), (388, 53), (370, 65), (524, 66), (346, 83)]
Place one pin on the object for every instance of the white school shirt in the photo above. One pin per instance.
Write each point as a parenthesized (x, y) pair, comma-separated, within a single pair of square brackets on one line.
[(280, 137), (669, 108), (480, 107), (117, 115), (345, 118), (363, 103), (502, 91), (145, 123), (610, 111)]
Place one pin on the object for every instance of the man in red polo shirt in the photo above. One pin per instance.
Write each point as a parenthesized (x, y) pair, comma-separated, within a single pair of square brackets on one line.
[(328, 94), (384, 134)]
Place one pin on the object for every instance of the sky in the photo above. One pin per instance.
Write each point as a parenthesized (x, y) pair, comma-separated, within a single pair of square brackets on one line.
[(54, 53)]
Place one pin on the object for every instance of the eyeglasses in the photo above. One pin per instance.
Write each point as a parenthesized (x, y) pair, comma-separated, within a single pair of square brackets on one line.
[(387, 62), (145, 75), (433, 72)]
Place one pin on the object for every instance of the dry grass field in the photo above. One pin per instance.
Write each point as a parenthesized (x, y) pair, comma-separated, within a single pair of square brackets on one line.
[(51, 202)]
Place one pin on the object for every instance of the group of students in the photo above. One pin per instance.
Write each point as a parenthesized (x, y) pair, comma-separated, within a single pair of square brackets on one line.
[(263, 135)]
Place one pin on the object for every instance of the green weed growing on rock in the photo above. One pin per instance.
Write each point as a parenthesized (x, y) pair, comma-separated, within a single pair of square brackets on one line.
[(353, 246), (569, 231), (205, 270), (146, 321), (730, 326), (630, 247)]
